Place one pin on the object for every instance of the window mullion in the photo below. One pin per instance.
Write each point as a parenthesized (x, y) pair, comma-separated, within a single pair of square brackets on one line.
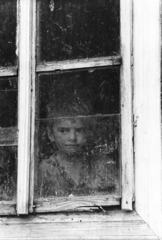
[(24, 114), (126, 105)]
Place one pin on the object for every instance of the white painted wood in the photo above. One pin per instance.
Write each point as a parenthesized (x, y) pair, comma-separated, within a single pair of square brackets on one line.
[(24, 104), (126, 104), (33, 102), (8, 71), (111, 225), (109, 216), (147, 112), (79, 63)]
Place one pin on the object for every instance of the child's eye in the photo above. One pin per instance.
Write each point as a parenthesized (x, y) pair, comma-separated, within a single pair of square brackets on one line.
[(64, 130), (80, 130)]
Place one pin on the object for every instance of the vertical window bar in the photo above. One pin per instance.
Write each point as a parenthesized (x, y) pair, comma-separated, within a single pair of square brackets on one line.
[(24, 114), (33, 99), (126, 104)]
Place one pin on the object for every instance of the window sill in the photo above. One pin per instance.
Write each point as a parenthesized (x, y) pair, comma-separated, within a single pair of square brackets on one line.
[(108, 225)]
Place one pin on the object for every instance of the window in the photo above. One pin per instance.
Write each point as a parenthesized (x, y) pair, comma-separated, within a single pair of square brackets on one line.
[(74, 78), (20, 156)]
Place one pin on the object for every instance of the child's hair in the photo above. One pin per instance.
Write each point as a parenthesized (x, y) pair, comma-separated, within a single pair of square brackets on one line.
[(69, 107)]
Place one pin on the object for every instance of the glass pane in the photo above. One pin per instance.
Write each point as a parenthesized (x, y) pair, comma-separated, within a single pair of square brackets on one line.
[(8, 138), (8, 32), (78, 126), (77, 29), (100, 86), (8, 102), (8, 173)]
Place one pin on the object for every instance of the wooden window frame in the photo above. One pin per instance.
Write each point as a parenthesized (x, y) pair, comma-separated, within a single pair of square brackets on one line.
[(26, 38), (62, 204), (143, 54)]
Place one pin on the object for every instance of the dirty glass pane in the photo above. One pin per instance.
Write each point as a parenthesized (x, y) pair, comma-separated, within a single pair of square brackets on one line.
[(77, 29), (7, 32), (8, 173), (8, 102), (8, 138), (78, 133)]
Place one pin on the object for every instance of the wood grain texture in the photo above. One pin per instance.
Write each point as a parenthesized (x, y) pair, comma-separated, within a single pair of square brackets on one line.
[(147, 112), (126, 105), (115, 225), (75, 203), (79, 63)]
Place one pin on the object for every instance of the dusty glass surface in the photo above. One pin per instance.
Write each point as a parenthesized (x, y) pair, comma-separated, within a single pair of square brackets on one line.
[(77, 29), (8, 102), (8, 32), (78, 133), (8, 173), (8, 138)]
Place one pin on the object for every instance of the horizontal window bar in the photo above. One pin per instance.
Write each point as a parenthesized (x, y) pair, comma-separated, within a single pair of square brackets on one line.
[(79, 63), (75, 203), (79, 116), (8, 71)]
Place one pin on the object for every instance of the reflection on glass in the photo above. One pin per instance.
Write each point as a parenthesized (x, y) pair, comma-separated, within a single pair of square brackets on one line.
[(8, 172), (77, 29), (8, 138), (78, 125), (8, 32)]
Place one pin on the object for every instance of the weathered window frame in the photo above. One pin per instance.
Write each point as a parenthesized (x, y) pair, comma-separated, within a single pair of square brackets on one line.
[(126, 122), (146, 75), (27, 70)]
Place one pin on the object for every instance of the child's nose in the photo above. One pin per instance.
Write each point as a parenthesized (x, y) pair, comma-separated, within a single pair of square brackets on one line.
[(72, 134)]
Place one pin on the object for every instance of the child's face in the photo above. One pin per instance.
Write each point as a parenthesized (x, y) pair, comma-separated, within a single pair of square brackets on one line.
[(70, 135)]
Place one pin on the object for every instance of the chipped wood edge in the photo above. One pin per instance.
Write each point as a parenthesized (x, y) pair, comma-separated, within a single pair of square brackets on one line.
[(126, 105), (78, 64), (74, 203)]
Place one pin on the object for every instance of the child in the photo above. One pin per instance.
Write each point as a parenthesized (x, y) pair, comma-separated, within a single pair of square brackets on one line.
[(76, 168), (67, 171)]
